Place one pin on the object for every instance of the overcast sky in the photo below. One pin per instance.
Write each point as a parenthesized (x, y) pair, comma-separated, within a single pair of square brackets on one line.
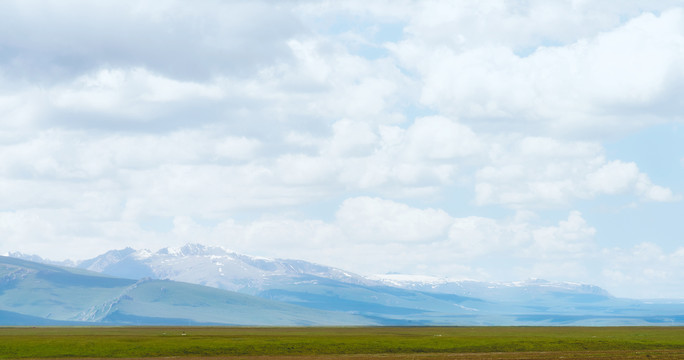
[(485, 140)]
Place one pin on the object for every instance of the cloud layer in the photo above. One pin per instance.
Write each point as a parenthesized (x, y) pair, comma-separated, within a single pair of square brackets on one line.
[(467, 139)]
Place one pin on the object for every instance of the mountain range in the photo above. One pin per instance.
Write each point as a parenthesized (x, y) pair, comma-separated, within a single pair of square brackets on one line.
[(200, 285)]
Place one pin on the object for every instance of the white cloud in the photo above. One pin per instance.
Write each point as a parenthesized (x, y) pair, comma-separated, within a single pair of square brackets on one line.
[(352, 139), (437, 137), (613, 177), (134, 92), (515, 24), (233, 147), (60, 154), (479, 236), (67, 234), (20, 109), (323, 84), (208, 191), (393, 236), (376, 220), (306, 170), (535, 171), (617, 177), (205, 114), (61, 39), (359, 155), (644, 271), (572, 237), (577, 87), (427, 153), (324, 78)]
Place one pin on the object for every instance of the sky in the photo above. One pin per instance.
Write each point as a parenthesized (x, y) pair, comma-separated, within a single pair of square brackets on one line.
[(483, 140)]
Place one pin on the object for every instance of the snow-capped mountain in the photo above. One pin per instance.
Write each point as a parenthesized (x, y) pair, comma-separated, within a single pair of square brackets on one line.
[(212, 266), (38, 294), (528, 290), (381, 300)]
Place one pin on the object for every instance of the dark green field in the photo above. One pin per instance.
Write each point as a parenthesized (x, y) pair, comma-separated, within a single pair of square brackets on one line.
[(352, 343)]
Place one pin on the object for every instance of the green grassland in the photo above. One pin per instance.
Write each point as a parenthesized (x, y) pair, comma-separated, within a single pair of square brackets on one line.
[(349, 342)]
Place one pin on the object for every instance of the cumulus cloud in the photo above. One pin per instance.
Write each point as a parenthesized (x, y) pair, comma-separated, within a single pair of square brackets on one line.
[(646, 269), (394, 236), (616, 176), (571, 237), (127, 92), (233, 147), (358, 155), (356, 136), (352, 139), (49, 232), (378, 220), (51, 40), (576, 87), (247, 125), (478, 236), (437, 137), (545, 171)]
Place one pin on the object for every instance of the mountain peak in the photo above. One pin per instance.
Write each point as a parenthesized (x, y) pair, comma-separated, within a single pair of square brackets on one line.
[(217, 267), (194, 249), (101, 262)]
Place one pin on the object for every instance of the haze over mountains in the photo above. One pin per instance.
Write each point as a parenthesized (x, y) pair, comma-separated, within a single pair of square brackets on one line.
[(36, 294), (196, 284)]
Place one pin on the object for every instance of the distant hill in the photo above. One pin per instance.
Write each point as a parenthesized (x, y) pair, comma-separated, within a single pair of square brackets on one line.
[(213, 266), (9, 318), (38, 294), (290, 292)]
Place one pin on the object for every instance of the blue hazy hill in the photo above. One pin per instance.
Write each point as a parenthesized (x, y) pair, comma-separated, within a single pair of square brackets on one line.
[(38, 294), (294, 292)]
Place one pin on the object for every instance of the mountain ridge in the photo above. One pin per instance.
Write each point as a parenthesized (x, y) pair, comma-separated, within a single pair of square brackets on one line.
[(350, 298), (139, 263), (36, 294)]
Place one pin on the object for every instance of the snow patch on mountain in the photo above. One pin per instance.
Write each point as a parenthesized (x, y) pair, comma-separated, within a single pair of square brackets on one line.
[(517, 290), (408, 280), (212, 266), (224, 269)]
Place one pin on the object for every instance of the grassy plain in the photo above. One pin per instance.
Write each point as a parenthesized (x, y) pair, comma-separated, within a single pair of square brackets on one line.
[(347, 342)]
